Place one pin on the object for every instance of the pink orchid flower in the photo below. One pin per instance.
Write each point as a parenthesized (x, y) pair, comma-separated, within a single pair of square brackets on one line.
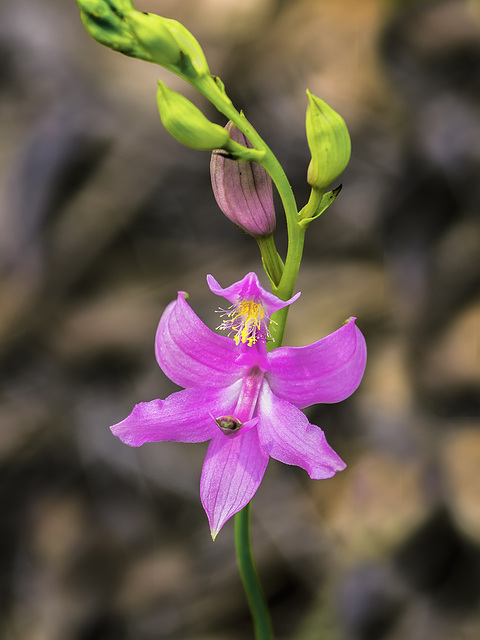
[(244, 400)]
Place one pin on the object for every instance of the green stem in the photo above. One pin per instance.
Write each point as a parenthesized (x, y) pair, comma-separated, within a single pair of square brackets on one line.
[(287, 284), (248, 573)]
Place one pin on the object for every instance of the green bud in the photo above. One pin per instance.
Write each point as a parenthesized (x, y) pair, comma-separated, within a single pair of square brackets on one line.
[(105, 22), (117, 25), (329, 143), (169, 44), (185, 122)]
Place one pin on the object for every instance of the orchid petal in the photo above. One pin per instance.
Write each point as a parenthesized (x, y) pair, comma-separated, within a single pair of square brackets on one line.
[(185, 416), (286, 435), (249, 288), (232, 472), (189, 353), (326, 371)]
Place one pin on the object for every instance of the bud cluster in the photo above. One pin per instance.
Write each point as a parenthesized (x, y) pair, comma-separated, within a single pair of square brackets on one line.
[(241, 184)]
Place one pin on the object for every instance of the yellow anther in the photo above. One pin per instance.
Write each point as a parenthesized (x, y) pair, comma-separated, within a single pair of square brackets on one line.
[(246, 320)]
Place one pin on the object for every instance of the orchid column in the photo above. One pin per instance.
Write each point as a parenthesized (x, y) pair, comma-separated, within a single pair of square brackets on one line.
[(242, 391)]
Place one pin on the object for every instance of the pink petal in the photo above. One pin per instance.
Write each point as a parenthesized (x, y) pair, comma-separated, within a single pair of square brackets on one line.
[(286, 435), (185, 416), (232, 472), (249, 288), (189, 353), (328, 370)]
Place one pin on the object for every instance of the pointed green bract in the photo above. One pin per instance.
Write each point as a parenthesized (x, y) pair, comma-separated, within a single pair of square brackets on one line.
[(305, 217), (329, 143)]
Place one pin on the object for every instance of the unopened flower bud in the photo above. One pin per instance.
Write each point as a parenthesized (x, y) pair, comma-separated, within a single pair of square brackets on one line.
[(329, 143), (116, 24), (243, 190), (185, 122), (169, 44), (105, 22)]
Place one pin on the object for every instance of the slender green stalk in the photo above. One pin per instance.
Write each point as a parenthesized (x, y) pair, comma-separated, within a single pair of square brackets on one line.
[(287, 284), (248, 573)]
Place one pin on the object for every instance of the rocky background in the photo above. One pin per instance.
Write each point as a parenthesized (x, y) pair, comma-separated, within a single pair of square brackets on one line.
[(103, 218)]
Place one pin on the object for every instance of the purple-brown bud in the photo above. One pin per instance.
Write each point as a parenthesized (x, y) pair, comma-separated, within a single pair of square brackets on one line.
[(243, 190)]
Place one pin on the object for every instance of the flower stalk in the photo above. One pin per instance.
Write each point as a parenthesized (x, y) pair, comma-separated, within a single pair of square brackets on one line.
[(248, 572)]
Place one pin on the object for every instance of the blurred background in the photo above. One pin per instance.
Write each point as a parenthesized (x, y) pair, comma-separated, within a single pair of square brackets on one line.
[(103, 218)]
